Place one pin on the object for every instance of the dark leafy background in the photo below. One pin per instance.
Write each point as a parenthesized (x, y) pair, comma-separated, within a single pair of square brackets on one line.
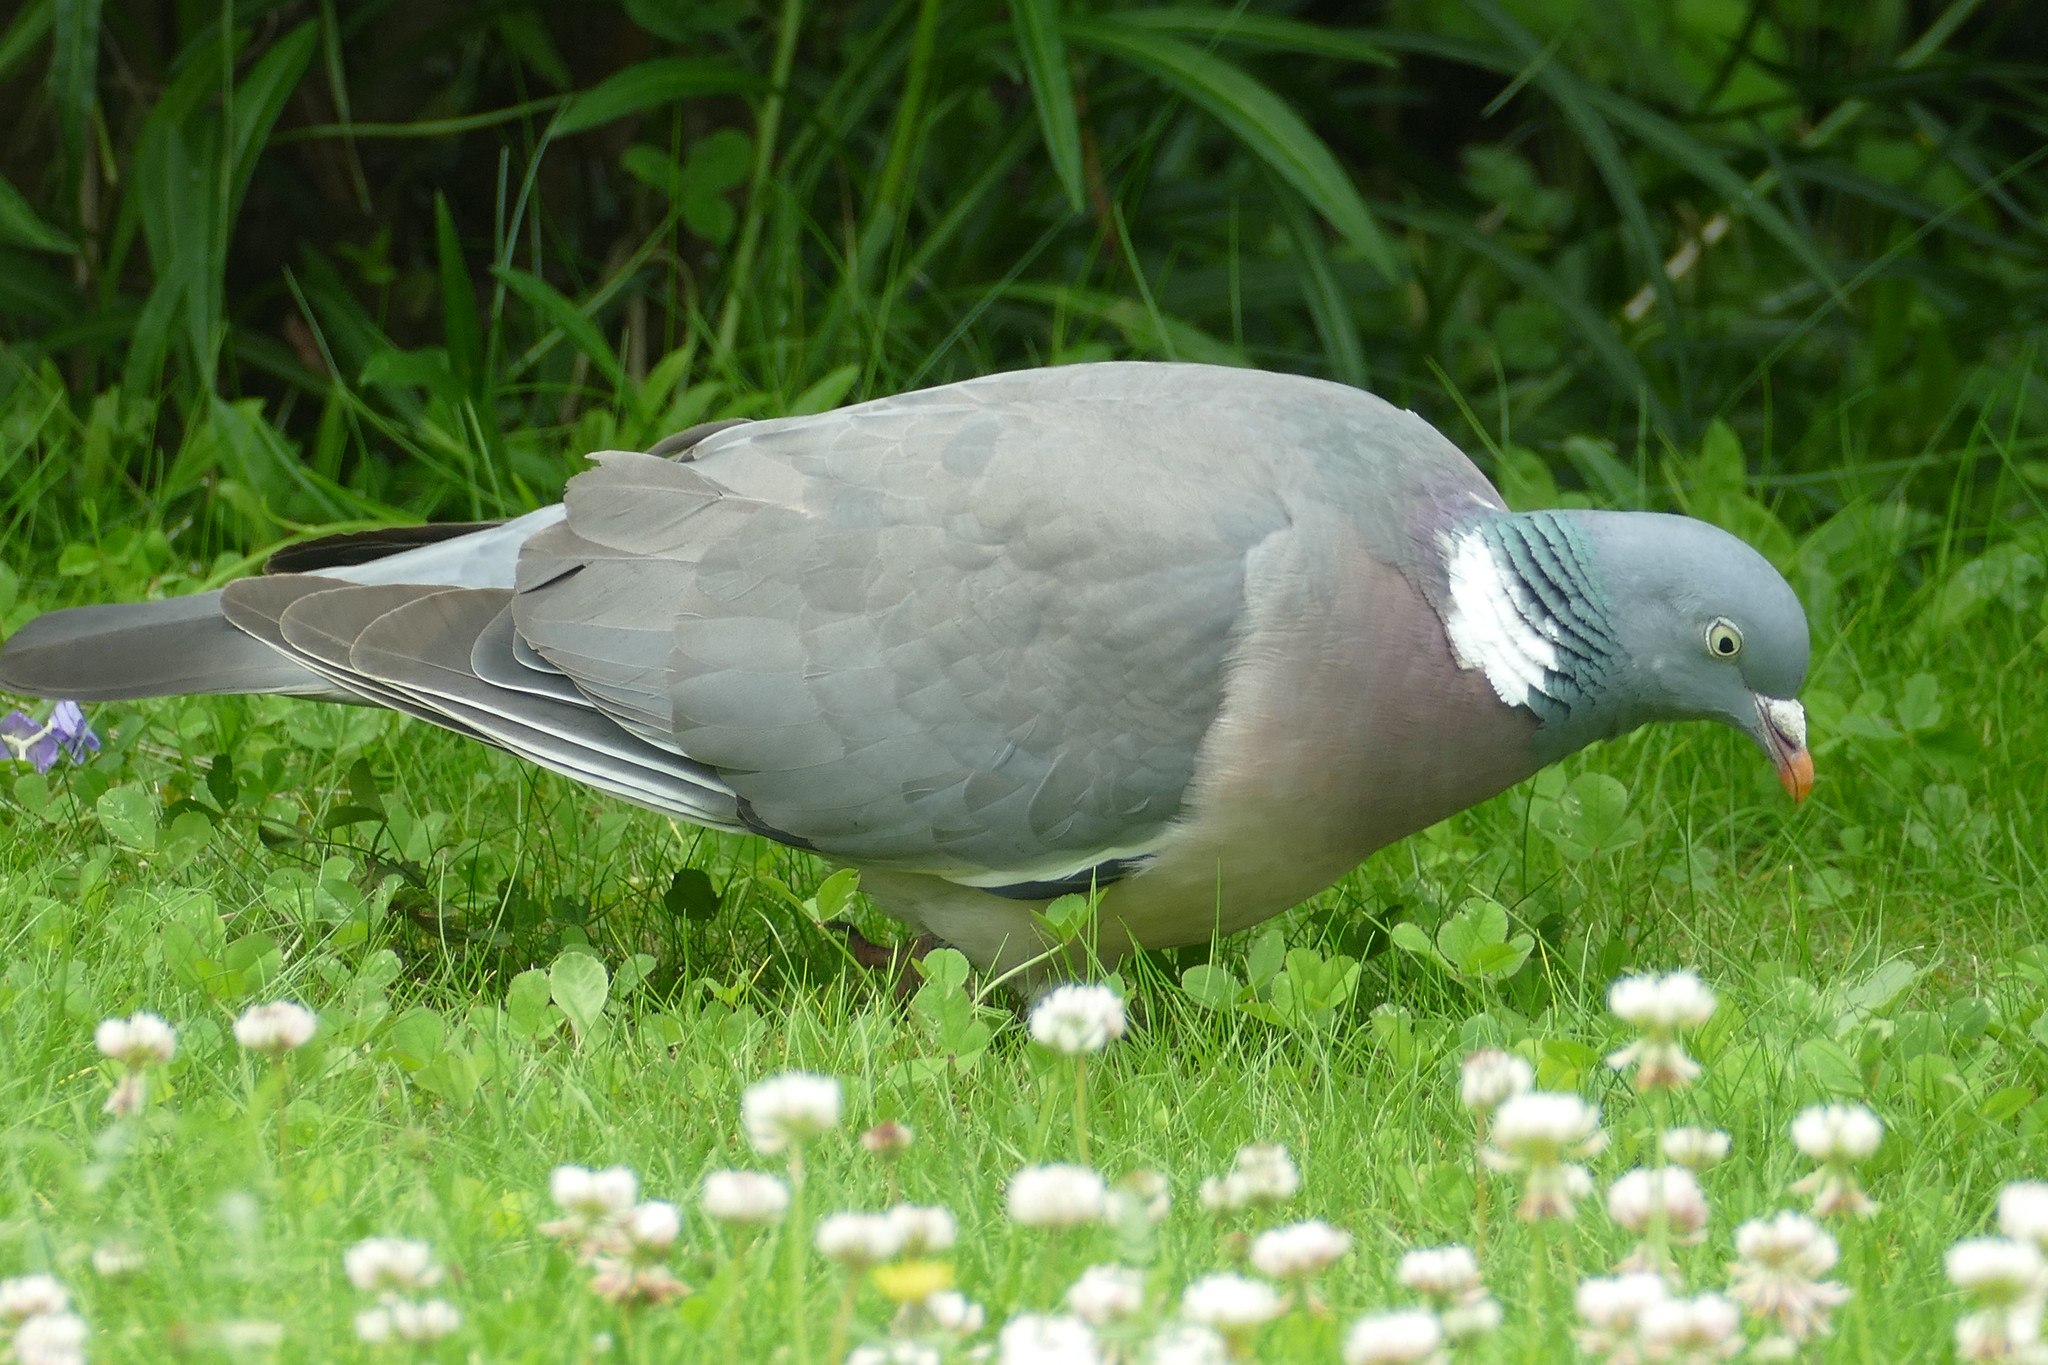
[(293, 263)]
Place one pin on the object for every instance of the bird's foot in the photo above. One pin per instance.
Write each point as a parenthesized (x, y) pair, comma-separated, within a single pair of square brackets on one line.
[(898, 959)]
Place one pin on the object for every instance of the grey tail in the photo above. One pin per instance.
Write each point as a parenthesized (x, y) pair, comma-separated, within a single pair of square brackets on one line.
[(176, 647), (186, 645), (347, 548)]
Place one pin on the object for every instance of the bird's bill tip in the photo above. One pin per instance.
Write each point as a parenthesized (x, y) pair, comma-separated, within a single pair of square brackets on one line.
[(1784, 736), (1795, 773)]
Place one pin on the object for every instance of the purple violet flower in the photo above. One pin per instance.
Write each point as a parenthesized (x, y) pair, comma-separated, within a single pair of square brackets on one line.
[(64, 734)]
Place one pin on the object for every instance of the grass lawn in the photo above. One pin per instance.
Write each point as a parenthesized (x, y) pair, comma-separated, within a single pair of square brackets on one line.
[(511, 974)]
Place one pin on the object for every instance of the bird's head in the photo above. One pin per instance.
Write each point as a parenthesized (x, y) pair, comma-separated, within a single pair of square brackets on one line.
[(1602, 621)]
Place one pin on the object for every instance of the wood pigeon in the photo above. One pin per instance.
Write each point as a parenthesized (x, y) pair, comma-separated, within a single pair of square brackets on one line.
[(1200, 639)]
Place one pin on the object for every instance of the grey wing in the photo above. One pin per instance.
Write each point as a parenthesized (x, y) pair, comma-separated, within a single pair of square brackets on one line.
[(967, 632), (445, 654)]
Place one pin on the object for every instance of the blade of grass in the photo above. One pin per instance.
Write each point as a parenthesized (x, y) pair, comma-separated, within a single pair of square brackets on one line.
[(1327, 302), (886, 202), (563, 314), (458, 302), (1044, 51), (30, 26), (20, 225), (337, 90), (423, 128), (646, 85), (74, 77), (258, 100), (765, 146), (1270, 31), (1148, 330), (1257, 117)]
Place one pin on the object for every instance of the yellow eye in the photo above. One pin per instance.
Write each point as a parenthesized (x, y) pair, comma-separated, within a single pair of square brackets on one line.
[(1724, 641)]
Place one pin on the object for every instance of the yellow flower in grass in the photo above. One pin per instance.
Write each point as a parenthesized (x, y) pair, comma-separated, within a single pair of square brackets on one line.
[(912, 1281)]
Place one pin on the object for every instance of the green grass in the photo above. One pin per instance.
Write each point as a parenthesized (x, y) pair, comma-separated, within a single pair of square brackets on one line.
[(1884, 942)]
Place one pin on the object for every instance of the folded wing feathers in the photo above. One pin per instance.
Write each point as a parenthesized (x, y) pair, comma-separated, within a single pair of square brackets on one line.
[(412, 647), (256, 607), (851, 639)]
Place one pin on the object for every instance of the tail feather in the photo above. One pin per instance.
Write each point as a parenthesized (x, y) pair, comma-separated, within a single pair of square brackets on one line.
[(345, 549), (177, 647), (187, 645)]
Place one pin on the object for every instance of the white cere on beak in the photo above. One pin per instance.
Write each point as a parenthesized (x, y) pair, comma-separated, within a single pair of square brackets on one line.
[(1788, 718)]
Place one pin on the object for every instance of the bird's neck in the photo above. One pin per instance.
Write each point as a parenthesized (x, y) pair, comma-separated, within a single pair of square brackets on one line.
[(1525, 602)]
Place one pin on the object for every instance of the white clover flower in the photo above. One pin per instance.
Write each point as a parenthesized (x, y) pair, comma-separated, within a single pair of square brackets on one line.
[(1662, 1003), (1537, 1134), (1611, 1309), (608, 1193), (1409, 1336), (1140, 1199), (1057, 1196), (1694, 1331), (888, 1138), (1232, 1304), (1106, 1294), (1837, 1132), (50, 1339), (1489, 1078), (276, 1028), (142, 1039), (858, 1240), (1298, 1251), (401, 1320), (2012, 1336), (1637, 1199), (32, 1296), (1788, 1239), (652, 1227), (1042, 1339), (1470, 1321), (744, 1197), (1998, 1272), (954, 1313), (595, 1206), (1261, 1174), (112, 1260), (373, 1326), (1187, 1343), (1838, 1136), (2023, 1213), (791, 1108), (898, 1352), (1778, 1278), (1449, 1278), (1696, 1149), (632, 1280), (1660, 1008), (1076, 1020), (1440, 1272), (390, 1265), (923, 1230)]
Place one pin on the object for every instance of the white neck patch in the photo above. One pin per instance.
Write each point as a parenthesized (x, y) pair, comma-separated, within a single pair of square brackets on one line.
[(1486, 628)]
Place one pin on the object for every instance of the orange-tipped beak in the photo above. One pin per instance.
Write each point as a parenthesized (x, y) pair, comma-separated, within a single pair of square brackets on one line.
[(1784, 736), (1795, 772)]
